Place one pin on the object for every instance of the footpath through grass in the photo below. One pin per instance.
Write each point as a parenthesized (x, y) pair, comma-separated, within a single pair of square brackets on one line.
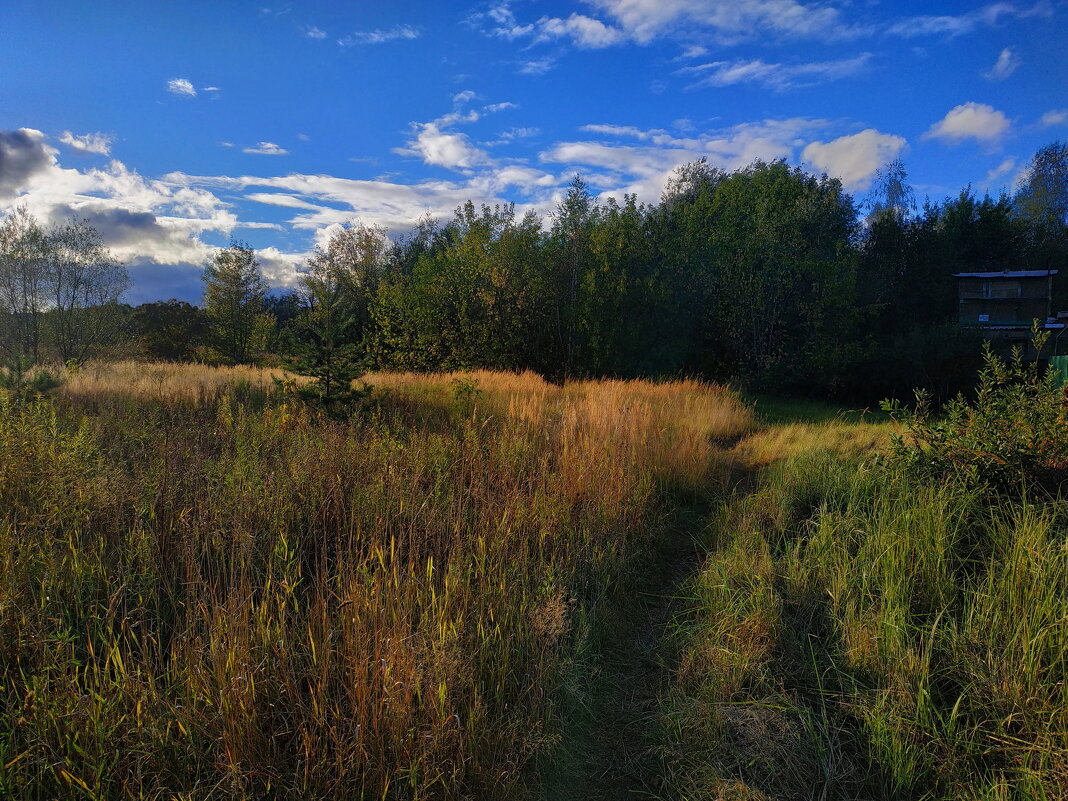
[(863, 629), (488, 587)]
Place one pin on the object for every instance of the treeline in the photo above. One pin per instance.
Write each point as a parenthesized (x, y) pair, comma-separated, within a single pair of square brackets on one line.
[(767, 276)]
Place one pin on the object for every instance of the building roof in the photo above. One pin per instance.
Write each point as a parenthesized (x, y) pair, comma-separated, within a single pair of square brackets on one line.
[(1008, 274)]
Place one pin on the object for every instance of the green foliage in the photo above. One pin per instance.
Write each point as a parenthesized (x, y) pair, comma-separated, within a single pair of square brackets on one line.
[(234, 290), (23, 382), (1011, 436), (170, 329), (465, 394)]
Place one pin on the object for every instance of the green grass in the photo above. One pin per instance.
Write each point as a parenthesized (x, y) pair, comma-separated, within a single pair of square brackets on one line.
[(866, 635), (772, 410)]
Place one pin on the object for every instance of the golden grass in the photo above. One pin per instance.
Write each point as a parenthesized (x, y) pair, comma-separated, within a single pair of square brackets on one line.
[(161, 380), (210, 586), (792, 440)]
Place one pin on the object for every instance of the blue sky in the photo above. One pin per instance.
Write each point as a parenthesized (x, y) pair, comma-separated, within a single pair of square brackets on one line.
[(175, 126)]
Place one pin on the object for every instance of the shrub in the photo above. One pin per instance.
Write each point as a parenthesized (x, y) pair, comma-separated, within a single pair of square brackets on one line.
[(1012, 437)]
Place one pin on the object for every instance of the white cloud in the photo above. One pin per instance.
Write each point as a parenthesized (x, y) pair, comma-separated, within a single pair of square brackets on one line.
[(314, 32), (512, 134), (729, 20), (1054, 117), (854, 158), (303, 137), (538, 66), (970, 121), (442, 148), (379, 36), (583, 31), (692, 51), (950, 25), (143, 221), (182, 87), (392, 205), (210, 89), (1004, 168), (1005, 66), (644, 169), (267, 149), (774, 76), (98, 143)]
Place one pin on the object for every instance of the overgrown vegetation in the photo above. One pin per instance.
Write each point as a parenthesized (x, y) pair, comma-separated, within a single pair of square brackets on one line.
[(886, 627), (210, 592)]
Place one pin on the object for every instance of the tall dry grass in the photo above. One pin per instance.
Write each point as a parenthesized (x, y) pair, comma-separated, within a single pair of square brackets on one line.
[(206, 591)]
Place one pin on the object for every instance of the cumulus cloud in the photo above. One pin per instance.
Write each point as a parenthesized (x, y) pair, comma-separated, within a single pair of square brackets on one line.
[(97, 143), (441, 148), (583, 31), (182, 87), (774, 76), (156, 226), (435, 144), (379, 36), (1054, 117), (1005, 66), (854, 158), (23, 154), (267, 149), (970, 121)]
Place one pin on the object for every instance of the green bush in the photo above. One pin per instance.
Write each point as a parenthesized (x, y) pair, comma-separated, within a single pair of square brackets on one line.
[(1011, 437)]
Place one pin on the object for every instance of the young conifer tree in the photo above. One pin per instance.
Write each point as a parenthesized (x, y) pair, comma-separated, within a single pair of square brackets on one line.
[(325, 349)]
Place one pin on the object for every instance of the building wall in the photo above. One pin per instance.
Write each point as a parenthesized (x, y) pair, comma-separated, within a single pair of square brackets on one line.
[(1003, 301)]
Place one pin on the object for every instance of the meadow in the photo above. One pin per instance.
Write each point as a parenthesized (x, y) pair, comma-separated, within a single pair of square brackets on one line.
[(486, 586)]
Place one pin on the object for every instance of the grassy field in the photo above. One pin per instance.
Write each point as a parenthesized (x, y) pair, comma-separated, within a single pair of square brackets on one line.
[(491, 587)]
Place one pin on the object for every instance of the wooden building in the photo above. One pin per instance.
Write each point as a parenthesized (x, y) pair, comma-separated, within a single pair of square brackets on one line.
[(1004, 307), (1009, 299)]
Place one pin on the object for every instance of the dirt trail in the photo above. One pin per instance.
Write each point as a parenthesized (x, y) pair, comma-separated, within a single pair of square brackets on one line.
[(606, 751)]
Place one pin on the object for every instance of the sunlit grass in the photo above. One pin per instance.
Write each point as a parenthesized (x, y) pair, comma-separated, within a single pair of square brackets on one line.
[(209, 590)]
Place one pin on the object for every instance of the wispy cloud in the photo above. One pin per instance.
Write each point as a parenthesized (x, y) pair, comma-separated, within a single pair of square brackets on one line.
[(182, 87), (1054, 117), (537, 66), (379, 36), (976, 121), (1005, 66), (959, 24), (96, 143), (267, 149), (314, 32), (1003, 169), (774, 76), (726, 20)]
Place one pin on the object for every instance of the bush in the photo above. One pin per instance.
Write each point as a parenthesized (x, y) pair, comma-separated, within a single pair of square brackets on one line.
[(1012, 437)]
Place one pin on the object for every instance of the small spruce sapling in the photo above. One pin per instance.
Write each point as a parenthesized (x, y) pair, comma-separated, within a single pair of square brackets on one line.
[(325, 350)]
